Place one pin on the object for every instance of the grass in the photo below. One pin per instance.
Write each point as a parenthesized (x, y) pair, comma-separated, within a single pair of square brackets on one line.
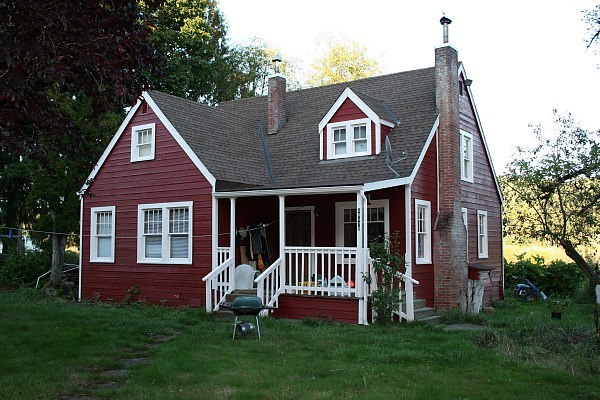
[(52, 348)]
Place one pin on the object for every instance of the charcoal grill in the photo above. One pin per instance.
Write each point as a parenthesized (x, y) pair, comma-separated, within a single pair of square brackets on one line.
[(246, 305)]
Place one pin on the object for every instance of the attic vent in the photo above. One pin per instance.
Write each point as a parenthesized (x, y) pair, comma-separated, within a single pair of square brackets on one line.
[(144, 107)]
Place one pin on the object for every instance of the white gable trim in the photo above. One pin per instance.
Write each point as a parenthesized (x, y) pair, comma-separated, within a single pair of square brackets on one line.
[(349, 94), (190, 153), (461, 70), (109, 148), (424, 149)]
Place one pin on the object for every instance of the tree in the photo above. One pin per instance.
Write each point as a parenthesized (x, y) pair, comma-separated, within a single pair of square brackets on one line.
[(99, 48), (342, 61), (592, 17), (552, 191)]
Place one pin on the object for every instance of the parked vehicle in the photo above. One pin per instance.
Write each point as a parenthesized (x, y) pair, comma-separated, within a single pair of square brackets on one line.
[(528, 290)]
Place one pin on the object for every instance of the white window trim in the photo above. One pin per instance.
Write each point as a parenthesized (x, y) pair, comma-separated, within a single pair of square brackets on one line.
[(349, 138), (482, 251), (134, 142), (339, 217), (165, 234), (465, 215), (467, 175), (94, 235), (427, 258)]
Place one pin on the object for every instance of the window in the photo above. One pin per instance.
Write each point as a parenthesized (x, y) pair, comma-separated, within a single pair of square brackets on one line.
[(102, 235), (482, 234), (346, 222), (165, 233), (349, 138), (466, 151), (142, 142), (423, 231)]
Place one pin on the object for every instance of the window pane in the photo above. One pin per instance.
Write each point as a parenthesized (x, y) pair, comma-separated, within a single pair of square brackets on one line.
[(340, 148), (153, 248), (152, 221), (339, 135), (104, 223), (375, 230), (104, 247), (179, 246), (350, 235), (360, 132), (421, 245), (179, 220), (144, 136), (360, 146), (350, 215), (145, 150)]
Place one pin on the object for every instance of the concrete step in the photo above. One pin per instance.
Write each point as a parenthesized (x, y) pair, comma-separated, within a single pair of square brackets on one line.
[(433, 320), (424, 312)]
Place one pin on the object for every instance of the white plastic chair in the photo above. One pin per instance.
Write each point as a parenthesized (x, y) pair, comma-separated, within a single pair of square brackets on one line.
[(244, 277)]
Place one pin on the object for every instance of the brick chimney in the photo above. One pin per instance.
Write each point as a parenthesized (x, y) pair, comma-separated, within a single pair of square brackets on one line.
[(450, 237), (276, 99)]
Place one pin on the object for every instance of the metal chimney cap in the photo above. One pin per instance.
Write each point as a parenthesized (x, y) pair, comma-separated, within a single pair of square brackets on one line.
[(445, 20), (277, 58)]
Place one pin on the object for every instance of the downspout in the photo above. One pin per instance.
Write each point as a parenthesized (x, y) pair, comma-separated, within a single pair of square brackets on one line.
[(410, 305), (265, 150), (81, 241)]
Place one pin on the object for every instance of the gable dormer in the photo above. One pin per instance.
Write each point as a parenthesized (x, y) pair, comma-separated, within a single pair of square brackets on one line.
[(354, 126)]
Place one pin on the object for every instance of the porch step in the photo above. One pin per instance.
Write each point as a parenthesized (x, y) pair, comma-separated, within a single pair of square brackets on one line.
[(426, 314), (433, 320)]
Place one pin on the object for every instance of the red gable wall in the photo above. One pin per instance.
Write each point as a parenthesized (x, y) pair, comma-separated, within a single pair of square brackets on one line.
[(347, 111), (170, 177)]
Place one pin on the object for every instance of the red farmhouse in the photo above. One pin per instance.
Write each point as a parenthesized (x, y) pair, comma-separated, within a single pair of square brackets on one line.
[(296, 184)]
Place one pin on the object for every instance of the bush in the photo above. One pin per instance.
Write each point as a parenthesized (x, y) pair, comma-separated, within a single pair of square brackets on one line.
[(555, 279), (17, 271)]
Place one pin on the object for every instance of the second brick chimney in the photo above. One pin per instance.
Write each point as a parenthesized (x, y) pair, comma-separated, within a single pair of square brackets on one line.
[(450, 237), (276, 99)]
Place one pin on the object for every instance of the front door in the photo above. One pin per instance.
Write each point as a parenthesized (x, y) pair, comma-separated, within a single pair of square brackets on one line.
[(299, 227)]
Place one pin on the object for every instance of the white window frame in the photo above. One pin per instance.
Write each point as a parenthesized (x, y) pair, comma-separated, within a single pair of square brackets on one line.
[(482, 234), (165, 249), (339, 217), (135, 155), (94, 236), (466, 172), (426, 205), (349, 126)]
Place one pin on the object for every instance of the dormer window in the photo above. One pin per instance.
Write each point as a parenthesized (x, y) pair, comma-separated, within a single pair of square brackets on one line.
[(143, 138), (349, 138)]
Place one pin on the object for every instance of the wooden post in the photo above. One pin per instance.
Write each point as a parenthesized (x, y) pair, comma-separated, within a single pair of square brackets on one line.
[(471, 298)]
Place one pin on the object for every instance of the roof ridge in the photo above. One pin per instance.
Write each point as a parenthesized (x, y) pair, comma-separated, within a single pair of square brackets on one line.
[(204, 105)]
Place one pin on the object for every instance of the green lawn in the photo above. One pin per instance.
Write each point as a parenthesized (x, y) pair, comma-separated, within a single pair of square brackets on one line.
[(55, 349)]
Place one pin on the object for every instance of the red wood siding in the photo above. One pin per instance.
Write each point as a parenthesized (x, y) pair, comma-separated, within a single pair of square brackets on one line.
[(325, 143), (299, 307), (347, 111), (482, 195), (170, 177), (424, 187), (373, 139), (385, 131)]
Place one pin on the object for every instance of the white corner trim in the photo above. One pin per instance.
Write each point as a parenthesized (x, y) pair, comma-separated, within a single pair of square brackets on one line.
[(186, 148), (109, 148)]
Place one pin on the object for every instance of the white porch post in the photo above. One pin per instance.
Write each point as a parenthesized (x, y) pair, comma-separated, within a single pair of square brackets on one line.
[(215, 232), (361, 256), (410, 305), (282, 237), (232, 237)]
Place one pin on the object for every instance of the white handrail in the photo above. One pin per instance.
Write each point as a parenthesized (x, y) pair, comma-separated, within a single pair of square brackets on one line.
[(269, 290), (219, 283), (75, 266)]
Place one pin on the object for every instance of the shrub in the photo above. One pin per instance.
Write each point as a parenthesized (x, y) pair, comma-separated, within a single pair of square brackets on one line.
[(17, 270), (557, 278)]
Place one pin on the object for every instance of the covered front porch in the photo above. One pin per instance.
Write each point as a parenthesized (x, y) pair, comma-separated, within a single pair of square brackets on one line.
[(315, 248)]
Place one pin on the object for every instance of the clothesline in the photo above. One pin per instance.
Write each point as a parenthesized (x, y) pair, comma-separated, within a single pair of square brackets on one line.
[(27, 232)]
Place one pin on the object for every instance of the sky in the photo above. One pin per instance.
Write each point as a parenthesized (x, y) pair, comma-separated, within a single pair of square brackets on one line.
[(526, 58)]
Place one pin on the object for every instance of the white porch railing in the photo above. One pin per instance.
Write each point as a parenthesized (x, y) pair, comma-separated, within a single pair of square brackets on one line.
[(220, 281), (323, 271)]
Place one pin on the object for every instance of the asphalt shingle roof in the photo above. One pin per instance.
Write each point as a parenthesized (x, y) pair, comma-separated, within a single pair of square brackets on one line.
[(227, 139)]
